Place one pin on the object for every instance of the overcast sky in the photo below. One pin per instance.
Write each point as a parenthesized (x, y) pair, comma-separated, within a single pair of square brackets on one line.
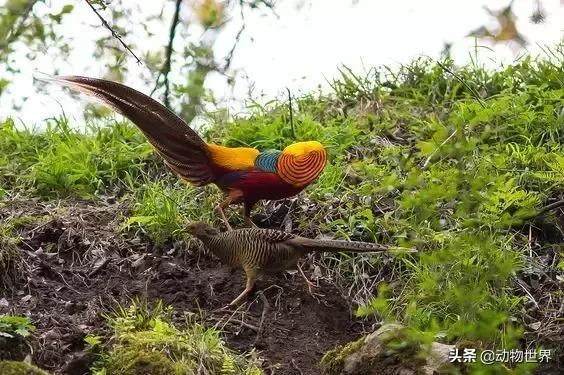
[(307, 42)]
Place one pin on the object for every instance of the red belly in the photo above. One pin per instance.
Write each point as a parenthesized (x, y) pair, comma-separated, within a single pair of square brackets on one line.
[(257, 185)]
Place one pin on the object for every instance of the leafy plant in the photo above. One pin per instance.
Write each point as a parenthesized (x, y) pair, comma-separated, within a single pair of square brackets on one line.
[(12, 326)]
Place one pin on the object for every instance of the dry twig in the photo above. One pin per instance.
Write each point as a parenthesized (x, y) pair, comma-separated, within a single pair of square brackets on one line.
[(114, 33)]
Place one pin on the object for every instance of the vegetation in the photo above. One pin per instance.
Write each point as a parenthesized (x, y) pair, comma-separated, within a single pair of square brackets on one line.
[(11, 265), (146, 341), (455, 161), (19, 368), (15, 326), (14, 332)]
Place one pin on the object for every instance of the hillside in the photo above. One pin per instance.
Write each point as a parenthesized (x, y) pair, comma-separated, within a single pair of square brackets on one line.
[(456, 162)]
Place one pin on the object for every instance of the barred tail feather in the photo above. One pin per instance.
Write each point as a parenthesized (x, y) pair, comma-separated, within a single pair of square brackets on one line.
[(339, 245), (181, 147)]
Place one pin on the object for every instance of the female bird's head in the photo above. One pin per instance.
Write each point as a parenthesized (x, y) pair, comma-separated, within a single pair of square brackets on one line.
[(201, 230)]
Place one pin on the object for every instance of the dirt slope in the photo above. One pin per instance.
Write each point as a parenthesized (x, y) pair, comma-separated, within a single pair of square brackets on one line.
[(77, 268)]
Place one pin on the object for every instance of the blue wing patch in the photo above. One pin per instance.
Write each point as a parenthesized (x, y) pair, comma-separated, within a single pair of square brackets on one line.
[(267, 160)]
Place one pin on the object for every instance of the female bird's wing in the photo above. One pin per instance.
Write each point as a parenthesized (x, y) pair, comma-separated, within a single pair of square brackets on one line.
[(182, 149)]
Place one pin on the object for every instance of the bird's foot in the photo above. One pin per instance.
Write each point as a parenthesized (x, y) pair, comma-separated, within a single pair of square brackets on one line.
[(222, 309)]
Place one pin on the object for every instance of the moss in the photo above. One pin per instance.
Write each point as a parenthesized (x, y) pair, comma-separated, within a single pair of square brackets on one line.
[(144, 363), (334, 360), (387, 347), (146, 341), (20, 368)]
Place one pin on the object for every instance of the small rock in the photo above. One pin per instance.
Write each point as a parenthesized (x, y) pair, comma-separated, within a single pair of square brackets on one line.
[(4, 302)]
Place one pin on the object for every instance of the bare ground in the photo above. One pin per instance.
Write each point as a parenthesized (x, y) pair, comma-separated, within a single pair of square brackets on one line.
[(77, 268)]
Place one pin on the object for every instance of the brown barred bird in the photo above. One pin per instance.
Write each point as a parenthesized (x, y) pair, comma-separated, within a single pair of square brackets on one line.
[(245, 174), (259, 251)]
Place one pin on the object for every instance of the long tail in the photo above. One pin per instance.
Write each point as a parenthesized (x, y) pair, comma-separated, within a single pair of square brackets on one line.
[(182, 149), (339, 245)]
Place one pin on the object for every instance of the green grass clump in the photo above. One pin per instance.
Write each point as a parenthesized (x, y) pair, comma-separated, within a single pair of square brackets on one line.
[(61, 161), (162, 208), (11, 262), (145, 341)]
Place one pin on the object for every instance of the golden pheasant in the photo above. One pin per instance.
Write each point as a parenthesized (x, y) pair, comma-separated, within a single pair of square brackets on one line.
[(259, 251), (245, 174)]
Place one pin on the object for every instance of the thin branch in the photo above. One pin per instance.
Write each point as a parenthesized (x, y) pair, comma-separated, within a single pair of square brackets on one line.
[(114, 33), (474, 93), (546, 208), (168, 59), (291, 113), (229, 57)]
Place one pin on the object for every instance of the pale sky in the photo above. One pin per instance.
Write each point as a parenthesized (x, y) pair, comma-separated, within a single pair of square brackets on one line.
[(304, 46)]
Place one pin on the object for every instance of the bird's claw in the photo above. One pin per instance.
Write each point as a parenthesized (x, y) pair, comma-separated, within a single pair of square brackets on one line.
[(224, 308)]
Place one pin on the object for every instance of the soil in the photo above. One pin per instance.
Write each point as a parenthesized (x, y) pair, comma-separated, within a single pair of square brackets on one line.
[(76, 268)]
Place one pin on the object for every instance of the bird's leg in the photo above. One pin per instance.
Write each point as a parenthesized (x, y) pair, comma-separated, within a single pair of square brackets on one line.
[(249, 222), (310, 285), (247, 207), (251, 278), (226, 202)]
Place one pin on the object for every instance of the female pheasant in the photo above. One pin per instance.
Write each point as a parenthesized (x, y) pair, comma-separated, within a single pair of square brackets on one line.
[(245, 174)]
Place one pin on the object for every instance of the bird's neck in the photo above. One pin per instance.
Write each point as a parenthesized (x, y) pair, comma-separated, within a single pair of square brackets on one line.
[(218, 246), (301, 170)]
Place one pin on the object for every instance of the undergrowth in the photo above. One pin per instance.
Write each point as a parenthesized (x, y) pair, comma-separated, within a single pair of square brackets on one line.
[(146, 341), (454, 161), (11, 262)]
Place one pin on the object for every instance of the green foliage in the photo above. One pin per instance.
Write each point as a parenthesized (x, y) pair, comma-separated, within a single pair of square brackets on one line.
[(18, 22), (145, 341), (12, 326), (64, 162), (162, 208)]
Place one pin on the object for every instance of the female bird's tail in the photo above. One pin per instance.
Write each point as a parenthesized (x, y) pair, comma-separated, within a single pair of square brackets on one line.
[(182, 149), (340, 245)]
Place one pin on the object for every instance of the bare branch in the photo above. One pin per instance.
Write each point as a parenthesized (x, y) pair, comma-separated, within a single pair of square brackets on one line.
[(291, 113), (165, 70), (114, 33), (229, 57), (545, 209), (472, 91)]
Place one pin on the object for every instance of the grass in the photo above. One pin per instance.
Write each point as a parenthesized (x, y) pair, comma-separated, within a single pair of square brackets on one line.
[(11, 262), (453, 164), (162, 208), (62, 161), (145, 341)]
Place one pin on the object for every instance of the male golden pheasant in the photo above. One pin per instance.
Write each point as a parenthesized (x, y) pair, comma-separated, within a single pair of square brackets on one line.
[(245, 174)]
